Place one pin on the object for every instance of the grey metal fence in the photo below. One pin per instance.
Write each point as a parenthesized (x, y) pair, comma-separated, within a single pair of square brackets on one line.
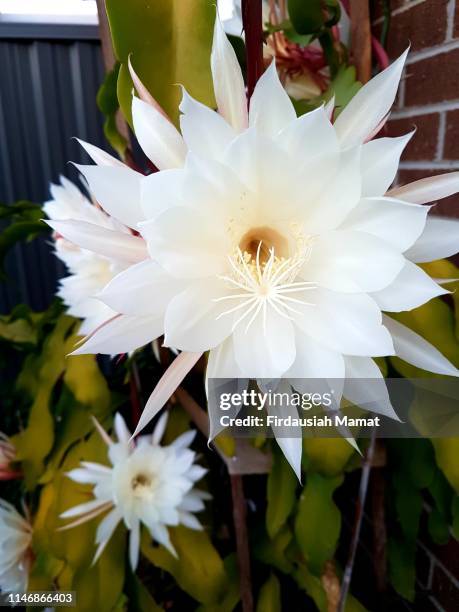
[(49, 77)]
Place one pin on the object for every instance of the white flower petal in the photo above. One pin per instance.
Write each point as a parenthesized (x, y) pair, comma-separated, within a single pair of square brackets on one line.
[(108, 243), (272, 181), (265, 353), (398, 223), (160, 140), (229, 85), (99, 156), (152, 287), (122, 335), (411, 347), (380, 159), (117, 190), (370, 105), (160, 428), (83, 508), (428, 189), (364, 386), (184, 440), (439, 239), (291, 447), (81, 475), (351, 261), (205, 132), (122, 432), (333, 190), (346, 323), (161, 535), (270, 107), (134, 544), (190, 521), (168, 383), (315, 361), (410, 289), (193, 322), (309, 136), (108, 525), (186, 243), (160, 191)]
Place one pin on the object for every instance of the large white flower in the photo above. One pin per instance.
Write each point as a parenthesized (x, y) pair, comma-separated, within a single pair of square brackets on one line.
[(273, 241), (15, 551), (89, 271), (147, 483)]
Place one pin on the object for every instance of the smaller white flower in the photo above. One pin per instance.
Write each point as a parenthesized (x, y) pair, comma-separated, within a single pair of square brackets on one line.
[(147, 483), (89, 272), (15, 551)]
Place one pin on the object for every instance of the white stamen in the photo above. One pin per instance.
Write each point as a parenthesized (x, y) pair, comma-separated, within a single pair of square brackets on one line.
[(265, 284)]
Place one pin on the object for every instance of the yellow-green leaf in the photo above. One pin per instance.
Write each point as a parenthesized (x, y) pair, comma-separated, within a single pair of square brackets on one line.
[(170, 42), (282, 485), (198, 568), (446, 454), (38, 377), (269, 598), (328, 456), (318, 521)]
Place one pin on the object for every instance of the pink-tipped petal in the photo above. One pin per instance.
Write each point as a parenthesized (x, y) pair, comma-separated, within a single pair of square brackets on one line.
[(169, 382), (428, 189), (101, 431), (160, 140), (143, 92), (119, 246), (368, 108)]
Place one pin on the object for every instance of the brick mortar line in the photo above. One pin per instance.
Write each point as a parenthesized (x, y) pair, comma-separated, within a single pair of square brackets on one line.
[(434, 559), (400, 10), (441, 136), (424, 109), (444, 47), (446, 164), (435, 603), (450, 14)]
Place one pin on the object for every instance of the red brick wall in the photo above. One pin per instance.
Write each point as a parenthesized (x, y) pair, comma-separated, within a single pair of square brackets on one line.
[(428, 100), (429, 93)]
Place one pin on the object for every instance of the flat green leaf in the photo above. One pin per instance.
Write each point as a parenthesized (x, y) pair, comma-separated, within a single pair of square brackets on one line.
[(328, 456), (107, 101), (269, 597), (17, 331), (306, 17), (99, 586), (198, 568), (85, 380), (402, 570), (446, 454), (37, 378), (438, 527), (318, 521), (139, 596), (274, 552), (455, 515), (282, 485), (408, 505), (170, 42)]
